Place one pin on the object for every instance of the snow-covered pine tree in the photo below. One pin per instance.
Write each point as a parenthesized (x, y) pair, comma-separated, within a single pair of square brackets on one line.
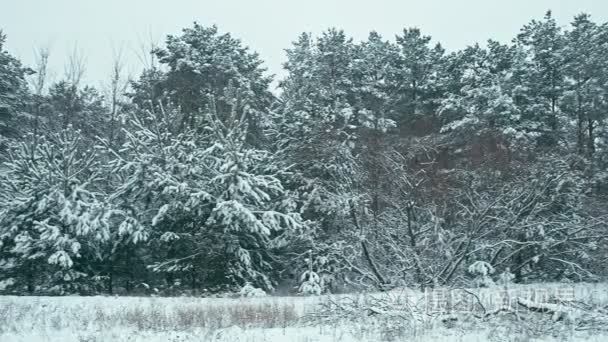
[(252, 211), (201, 63), (315, 132), (540, 77), (213, 207), (53, 217), (160, 198), (317, 122), (81, 108), (483, 104), (586, 76), (13, 93), (416, 89)]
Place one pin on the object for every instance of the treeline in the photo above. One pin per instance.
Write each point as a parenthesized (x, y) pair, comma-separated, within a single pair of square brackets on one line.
[(382, 163)]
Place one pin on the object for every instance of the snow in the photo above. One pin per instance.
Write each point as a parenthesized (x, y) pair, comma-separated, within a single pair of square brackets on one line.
[(263, 319)]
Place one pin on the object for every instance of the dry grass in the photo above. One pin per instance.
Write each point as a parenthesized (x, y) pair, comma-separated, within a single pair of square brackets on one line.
[(152, 314), (102, 319)]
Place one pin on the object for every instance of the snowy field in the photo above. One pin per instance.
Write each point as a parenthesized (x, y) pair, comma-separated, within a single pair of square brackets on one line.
[(378, 317)]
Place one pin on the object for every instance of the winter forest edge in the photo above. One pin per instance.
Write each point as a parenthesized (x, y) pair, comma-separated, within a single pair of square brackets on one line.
[(377, 165)]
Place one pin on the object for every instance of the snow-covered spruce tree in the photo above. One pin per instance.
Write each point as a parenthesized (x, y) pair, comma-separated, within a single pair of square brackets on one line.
[(53, 218), (310, 281), (212, 207)]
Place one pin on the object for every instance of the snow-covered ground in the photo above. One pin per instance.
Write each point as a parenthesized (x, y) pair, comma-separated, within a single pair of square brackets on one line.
[(306, 319)]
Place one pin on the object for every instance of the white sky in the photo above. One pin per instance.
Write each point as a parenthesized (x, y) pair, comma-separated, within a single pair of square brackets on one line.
[(98, 27)]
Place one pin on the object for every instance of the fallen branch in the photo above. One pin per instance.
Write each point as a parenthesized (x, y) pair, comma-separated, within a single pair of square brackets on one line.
[(557, 311)]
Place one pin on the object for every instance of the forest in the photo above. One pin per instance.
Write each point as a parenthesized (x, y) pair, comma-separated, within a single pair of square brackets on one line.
[(375, 164)]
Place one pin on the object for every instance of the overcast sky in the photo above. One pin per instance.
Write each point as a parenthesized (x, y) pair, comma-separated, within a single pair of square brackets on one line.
[(97, 27)]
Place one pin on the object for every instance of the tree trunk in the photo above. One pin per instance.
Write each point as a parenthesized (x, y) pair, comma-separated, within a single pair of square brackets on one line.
[(110, 275), (591, 138)]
